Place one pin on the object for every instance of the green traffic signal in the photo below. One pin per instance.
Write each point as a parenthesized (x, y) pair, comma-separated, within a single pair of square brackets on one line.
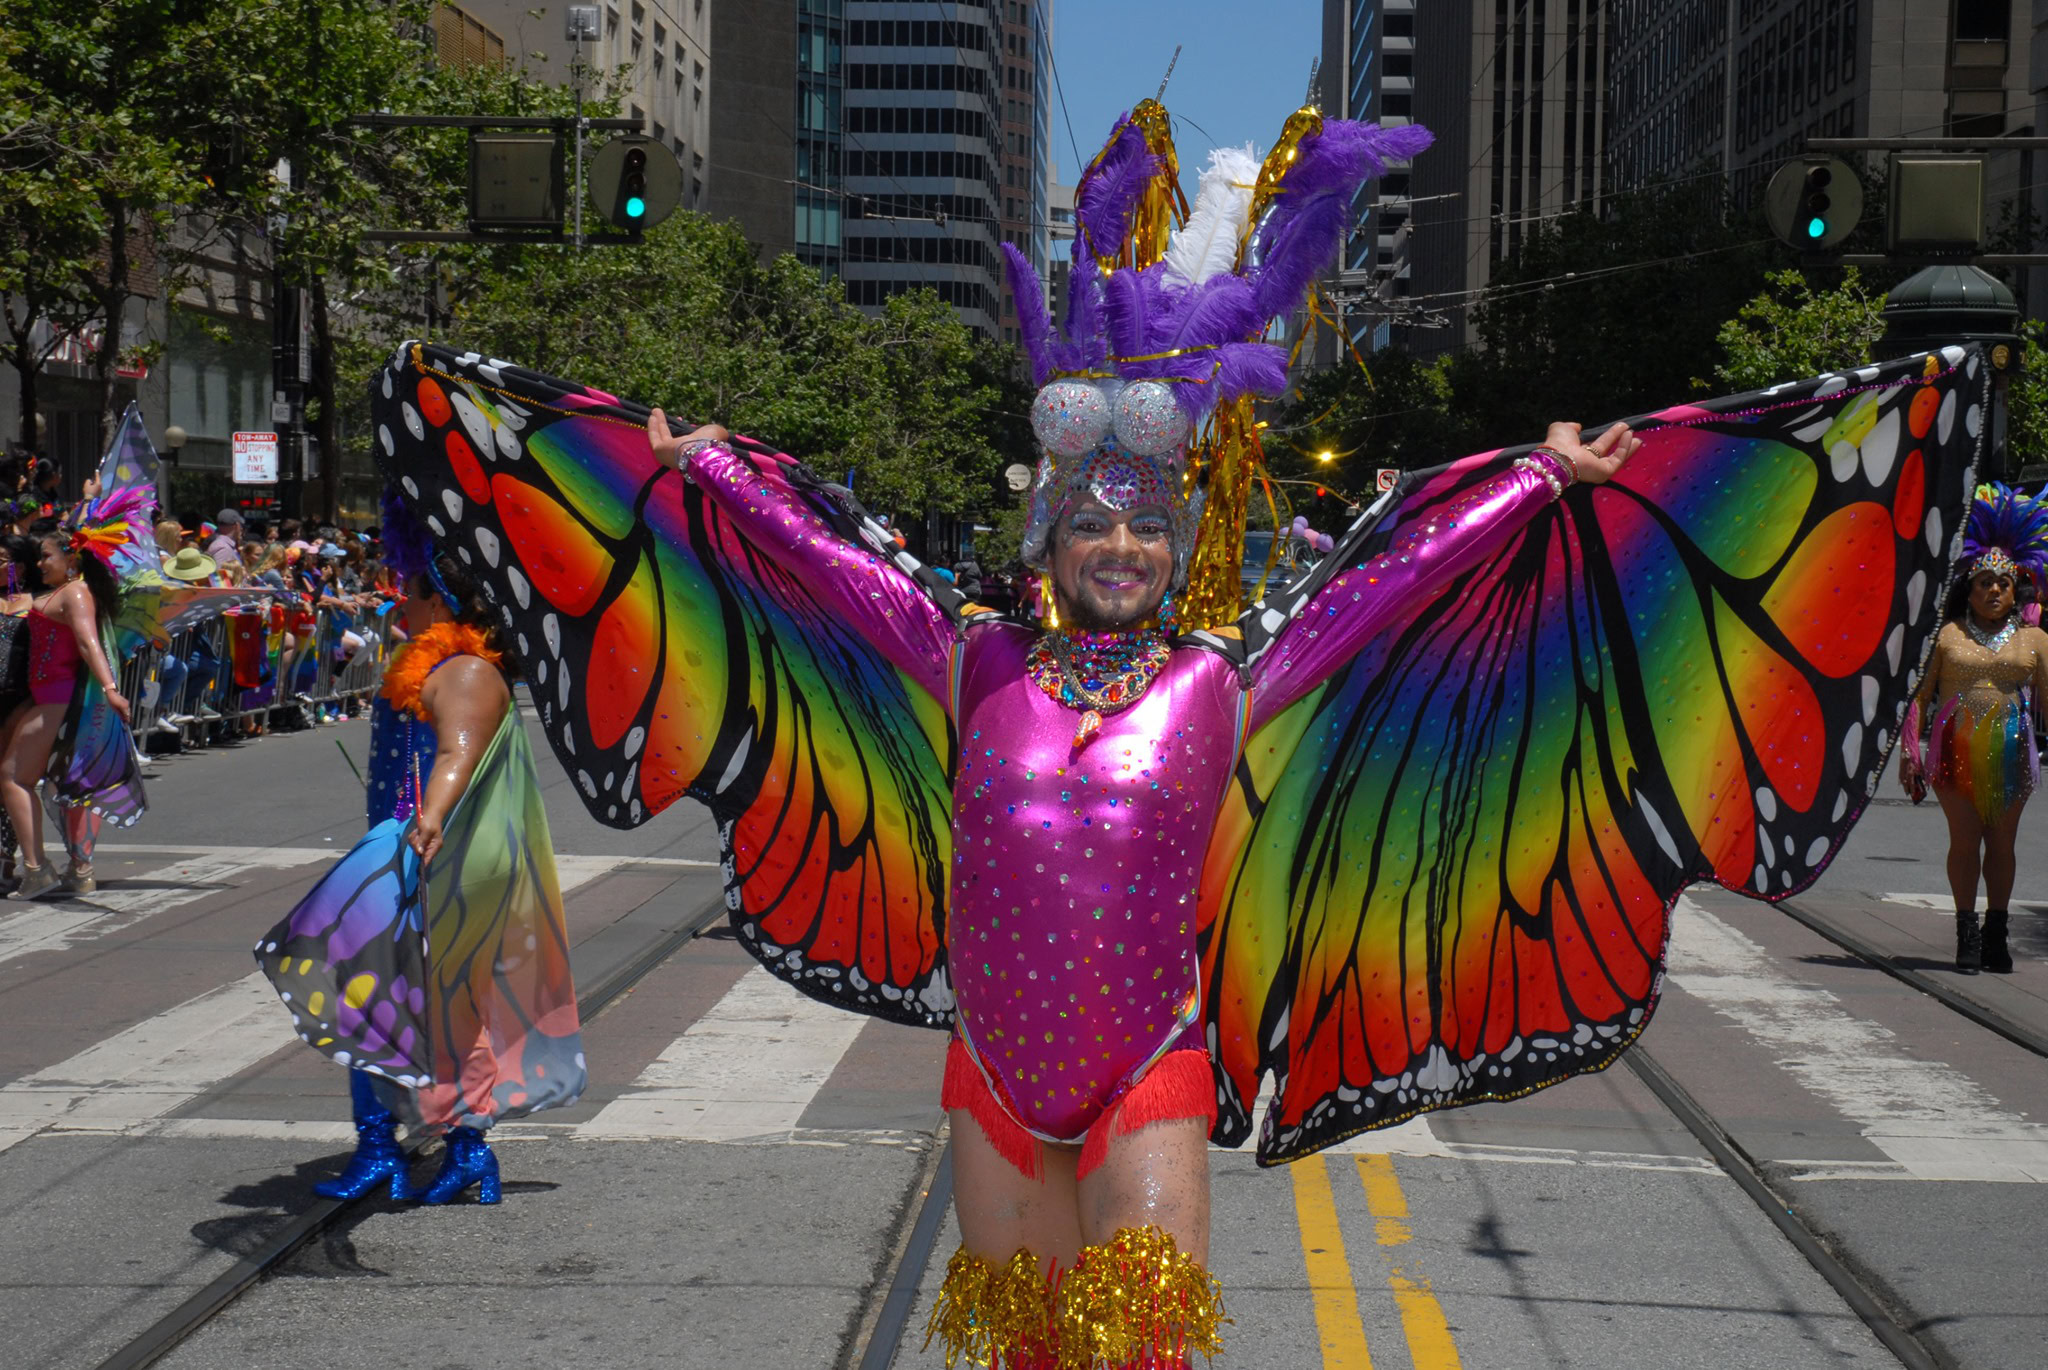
[(636, 182), (1814, 203)]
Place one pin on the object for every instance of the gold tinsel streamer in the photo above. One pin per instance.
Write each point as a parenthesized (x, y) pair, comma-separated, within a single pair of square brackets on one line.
[(1137, 1299), (1228, 457), (993, 1317), (1273, 171), (1162, 207), (1232, 458)]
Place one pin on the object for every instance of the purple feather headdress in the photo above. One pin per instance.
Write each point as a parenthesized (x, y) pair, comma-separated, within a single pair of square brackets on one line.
[(1162, 331), (408, 546), (2007, 527), (1203, 334)]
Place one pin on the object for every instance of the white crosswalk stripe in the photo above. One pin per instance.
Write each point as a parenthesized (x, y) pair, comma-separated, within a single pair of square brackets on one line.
[(160, 1064), (130, 1082), (51, 925), (745, 1071), (1934, 1122), (750, 1067)]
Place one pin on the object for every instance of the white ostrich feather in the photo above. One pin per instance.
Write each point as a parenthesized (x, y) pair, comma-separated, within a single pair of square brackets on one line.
[(1208, 243)]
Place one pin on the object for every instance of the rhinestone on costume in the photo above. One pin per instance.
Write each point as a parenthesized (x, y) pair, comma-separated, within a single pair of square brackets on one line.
[(1070, 417), (1149, 420)]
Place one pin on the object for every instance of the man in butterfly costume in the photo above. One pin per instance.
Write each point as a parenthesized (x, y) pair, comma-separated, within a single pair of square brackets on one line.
[(1403, 835)]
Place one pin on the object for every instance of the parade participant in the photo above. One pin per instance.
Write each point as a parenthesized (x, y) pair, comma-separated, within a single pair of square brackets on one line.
[(91, 760), (1979, 706), (434, 959), (1403, 835), (23, 582)]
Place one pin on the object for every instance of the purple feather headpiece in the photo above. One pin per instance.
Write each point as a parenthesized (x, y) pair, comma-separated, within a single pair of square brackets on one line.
[(2007, 532), (1196, 319), (1162, 332), (408, 546)]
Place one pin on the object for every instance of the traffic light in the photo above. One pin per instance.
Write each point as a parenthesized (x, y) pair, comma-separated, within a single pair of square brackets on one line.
[(1814, 203), (635, 182), (632, 199)]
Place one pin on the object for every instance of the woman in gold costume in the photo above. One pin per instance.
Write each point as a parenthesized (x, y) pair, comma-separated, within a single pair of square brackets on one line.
[(1979, 702)]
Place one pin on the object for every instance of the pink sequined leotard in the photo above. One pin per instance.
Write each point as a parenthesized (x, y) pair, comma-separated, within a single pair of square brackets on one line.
[(1070, 930), (53, 659)]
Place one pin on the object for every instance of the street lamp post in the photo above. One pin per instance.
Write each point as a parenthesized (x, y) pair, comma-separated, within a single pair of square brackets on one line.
[(1941, 305)]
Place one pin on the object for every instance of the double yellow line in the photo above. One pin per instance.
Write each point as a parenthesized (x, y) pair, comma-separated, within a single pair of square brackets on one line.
[(1329, 1270)]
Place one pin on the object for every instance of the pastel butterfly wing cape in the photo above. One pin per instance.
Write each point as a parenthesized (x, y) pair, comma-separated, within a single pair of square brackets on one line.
[(453, 981), (1445, 875), (668, 657), (93, 762)]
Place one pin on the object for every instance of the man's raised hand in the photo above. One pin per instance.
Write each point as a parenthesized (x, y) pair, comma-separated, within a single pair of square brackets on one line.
[(669, 447), (1595, 462)]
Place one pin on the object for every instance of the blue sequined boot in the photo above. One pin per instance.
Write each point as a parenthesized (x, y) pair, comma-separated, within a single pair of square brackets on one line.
[(377, 1157), (468, 1162)]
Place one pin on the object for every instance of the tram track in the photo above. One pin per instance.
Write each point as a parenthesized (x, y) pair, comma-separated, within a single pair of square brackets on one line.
[(932, 1193), (1895, 1327), (163, 1336)]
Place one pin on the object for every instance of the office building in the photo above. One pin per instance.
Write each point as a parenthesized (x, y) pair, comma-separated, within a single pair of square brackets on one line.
[(1515, 97), (1707, 86), (658, 52), (1026, 214), (1367, 72), (923, 156)]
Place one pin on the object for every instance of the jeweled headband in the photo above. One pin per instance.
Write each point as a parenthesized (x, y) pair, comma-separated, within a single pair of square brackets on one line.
[(2006, 533), (1997, 563), (1120, 444)]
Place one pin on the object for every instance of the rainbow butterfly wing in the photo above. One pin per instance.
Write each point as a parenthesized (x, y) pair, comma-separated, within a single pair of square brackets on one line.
[(1445, 876), (349, 961), (93, 763), (667, 657)]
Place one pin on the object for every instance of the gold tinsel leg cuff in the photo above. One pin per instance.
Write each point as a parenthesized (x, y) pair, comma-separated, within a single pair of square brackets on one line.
[(1135, 1301), (999, 1317)]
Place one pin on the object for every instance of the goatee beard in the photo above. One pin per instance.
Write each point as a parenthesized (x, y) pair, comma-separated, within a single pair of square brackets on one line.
[(1083, 618)]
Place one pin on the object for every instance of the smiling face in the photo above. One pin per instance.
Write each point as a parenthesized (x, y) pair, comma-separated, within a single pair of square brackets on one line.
[(1991, 595), (58, 564), (1111, 569)]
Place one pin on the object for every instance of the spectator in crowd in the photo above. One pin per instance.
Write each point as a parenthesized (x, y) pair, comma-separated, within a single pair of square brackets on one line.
[(224, 548), (176, 674), (170, 538), (268, 570)]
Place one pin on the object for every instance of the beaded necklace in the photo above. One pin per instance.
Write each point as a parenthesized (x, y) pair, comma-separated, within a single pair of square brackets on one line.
[(1098, 673)]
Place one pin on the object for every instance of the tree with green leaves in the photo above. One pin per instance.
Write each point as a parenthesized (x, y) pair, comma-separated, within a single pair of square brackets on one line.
[(909, 404), (1792, 330)]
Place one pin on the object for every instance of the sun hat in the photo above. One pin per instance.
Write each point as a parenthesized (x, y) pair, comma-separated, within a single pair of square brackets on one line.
[(190, 564)]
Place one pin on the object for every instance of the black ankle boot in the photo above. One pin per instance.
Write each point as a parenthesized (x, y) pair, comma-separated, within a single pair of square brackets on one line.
[(1969, 942), (1997, 956)]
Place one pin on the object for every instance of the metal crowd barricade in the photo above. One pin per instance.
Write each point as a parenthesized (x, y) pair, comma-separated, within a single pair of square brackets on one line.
[(305, 676)]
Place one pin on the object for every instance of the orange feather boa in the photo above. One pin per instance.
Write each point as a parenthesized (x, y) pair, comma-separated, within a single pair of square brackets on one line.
[(407, 674)]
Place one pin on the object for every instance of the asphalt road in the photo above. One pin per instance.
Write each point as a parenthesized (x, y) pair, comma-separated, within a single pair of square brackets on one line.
[(735, 1187)]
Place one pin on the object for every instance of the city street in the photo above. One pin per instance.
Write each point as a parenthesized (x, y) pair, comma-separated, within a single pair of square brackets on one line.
[(743, 1180)]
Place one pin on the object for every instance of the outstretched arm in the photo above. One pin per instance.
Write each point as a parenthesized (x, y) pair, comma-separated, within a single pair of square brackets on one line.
[(869, 592), (1358, 603)]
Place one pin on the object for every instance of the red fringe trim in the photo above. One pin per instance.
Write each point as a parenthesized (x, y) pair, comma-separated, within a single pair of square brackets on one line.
[(964, 1088), (1180, 1085)]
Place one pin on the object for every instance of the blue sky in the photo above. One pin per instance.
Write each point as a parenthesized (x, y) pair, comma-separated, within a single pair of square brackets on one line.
[(1243, 69)]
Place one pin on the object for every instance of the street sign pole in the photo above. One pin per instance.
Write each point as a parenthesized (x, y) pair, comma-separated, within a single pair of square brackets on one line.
[(582, 24)]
